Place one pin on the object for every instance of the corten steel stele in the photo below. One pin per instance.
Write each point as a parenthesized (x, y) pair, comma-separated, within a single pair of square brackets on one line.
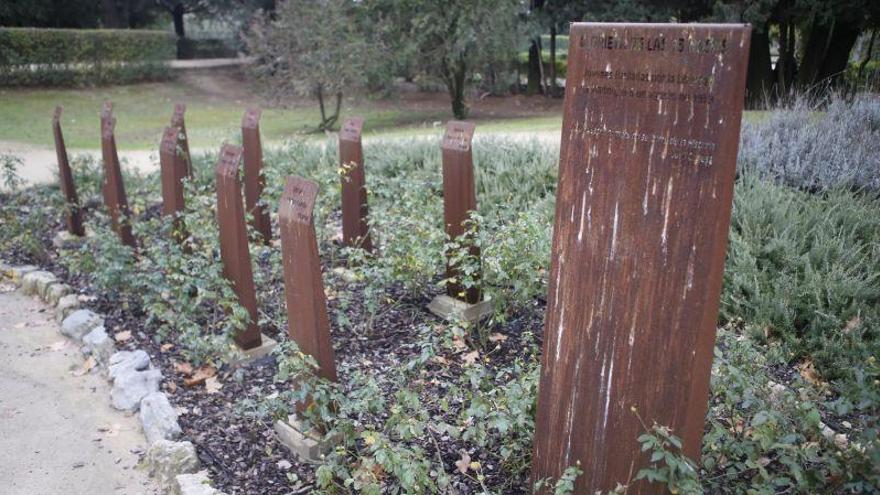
[(355, 230), (253, 177), (649, 141), (459, 196), (234, 250), (303, 286), (113, 187), (74, 215), (178, 123), (173, 170)]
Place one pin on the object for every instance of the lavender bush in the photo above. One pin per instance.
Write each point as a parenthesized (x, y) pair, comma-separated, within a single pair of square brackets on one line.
[(806, 148)]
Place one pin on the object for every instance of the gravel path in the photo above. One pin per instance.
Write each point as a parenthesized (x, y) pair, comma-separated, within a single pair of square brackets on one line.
[(40, 165), (58, 433)]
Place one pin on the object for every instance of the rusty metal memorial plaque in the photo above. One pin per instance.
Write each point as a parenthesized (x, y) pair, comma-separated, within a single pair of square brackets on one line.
[(303, 286), (459, 196), (173, 170), (178, 123), (74, 215), (649, 143), (113, 186), (234, 249), (253, 176), (355, 230)]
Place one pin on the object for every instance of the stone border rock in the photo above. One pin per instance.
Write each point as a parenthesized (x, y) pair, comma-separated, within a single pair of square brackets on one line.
[(136, 383)]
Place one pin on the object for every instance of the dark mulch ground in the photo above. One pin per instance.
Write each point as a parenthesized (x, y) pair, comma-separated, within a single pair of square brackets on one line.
[(242, 453)]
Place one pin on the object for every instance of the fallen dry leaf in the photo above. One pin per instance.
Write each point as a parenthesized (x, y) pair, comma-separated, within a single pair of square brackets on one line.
[(440, 360), (200, 376), (463, 463), (86, 366), (213, 385), (166, 347), (458, 343), (497, 337), (807, 370), (471, 357), (122, 336), (184, 368)]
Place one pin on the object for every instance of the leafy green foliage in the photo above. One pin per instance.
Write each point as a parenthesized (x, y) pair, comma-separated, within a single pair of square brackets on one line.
[(794, 392)]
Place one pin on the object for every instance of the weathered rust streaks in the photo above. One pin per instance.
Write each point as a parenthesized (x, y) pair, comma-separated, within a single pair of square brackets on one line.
[(459, 199), (234, 249), (649, 142), (355, 229), (303, 286), (253, 175), (68, 187)]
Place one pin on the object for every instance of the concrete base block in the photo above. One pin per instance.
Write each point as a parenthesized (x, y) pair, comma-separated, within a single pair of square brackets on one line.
[(308, 446), (250, 355), (452, 309)]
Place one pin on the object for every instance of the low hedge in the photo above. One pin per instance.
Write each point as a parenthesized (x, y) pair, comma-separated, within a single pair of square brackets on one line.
[(69, 57)]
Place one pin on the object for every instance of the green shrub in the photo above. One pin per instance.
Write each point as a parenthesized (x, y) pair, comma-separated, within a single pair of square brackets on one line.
[(70, 57)]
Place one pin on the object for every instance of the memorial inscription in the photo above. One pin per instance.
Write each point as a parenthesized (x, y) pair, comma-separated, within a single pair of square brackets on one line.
[(649, 141), (355, 229), (253, 176), (74, 215), (113, 187), (303, 286), (234, 250), (459, 198)]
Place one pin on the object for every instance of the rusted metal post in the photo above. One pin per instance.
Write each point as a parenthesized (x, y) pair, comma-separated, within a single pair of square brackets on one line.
[(649, 142), (459, 198), (74, 215), (173, 170), (355, 229), (178, 123), (303, 286), (234, 250), (113, 187), (253, 176)]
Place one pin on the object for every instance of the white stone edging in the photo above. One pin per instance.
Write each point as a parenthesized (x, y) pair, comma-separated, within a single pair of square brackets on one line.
[(174, 464)]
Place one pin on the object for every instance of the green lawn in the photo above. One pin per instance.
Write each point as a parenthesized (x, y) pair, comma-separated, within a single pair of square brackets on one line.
[(143, 110)]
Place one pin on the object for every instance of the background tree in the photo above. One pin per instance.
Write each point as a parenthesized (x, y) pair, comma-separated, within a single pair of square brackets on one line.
[(315, 48), (455, 38)]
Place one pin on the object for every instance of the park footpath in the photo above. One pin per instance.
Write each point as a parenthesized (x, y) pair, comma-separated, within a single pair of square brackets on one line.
[(76, 416)]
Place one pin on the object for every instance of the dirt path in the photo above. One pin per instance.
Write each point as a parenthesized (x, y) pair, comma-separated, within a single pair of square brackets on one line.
[(58, 433), (39, 164)]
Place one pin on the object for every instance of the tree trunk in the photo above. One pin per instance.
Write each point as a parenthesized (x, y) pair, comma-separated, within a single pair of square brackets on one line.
[(454, 77), (782, 62), (836, 61), (553, 60), (868, 54), (759, 81), (335, 117), (319, 92), (177, 16), (814, 52), (534, 69), (110, 16), (826, 54)]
